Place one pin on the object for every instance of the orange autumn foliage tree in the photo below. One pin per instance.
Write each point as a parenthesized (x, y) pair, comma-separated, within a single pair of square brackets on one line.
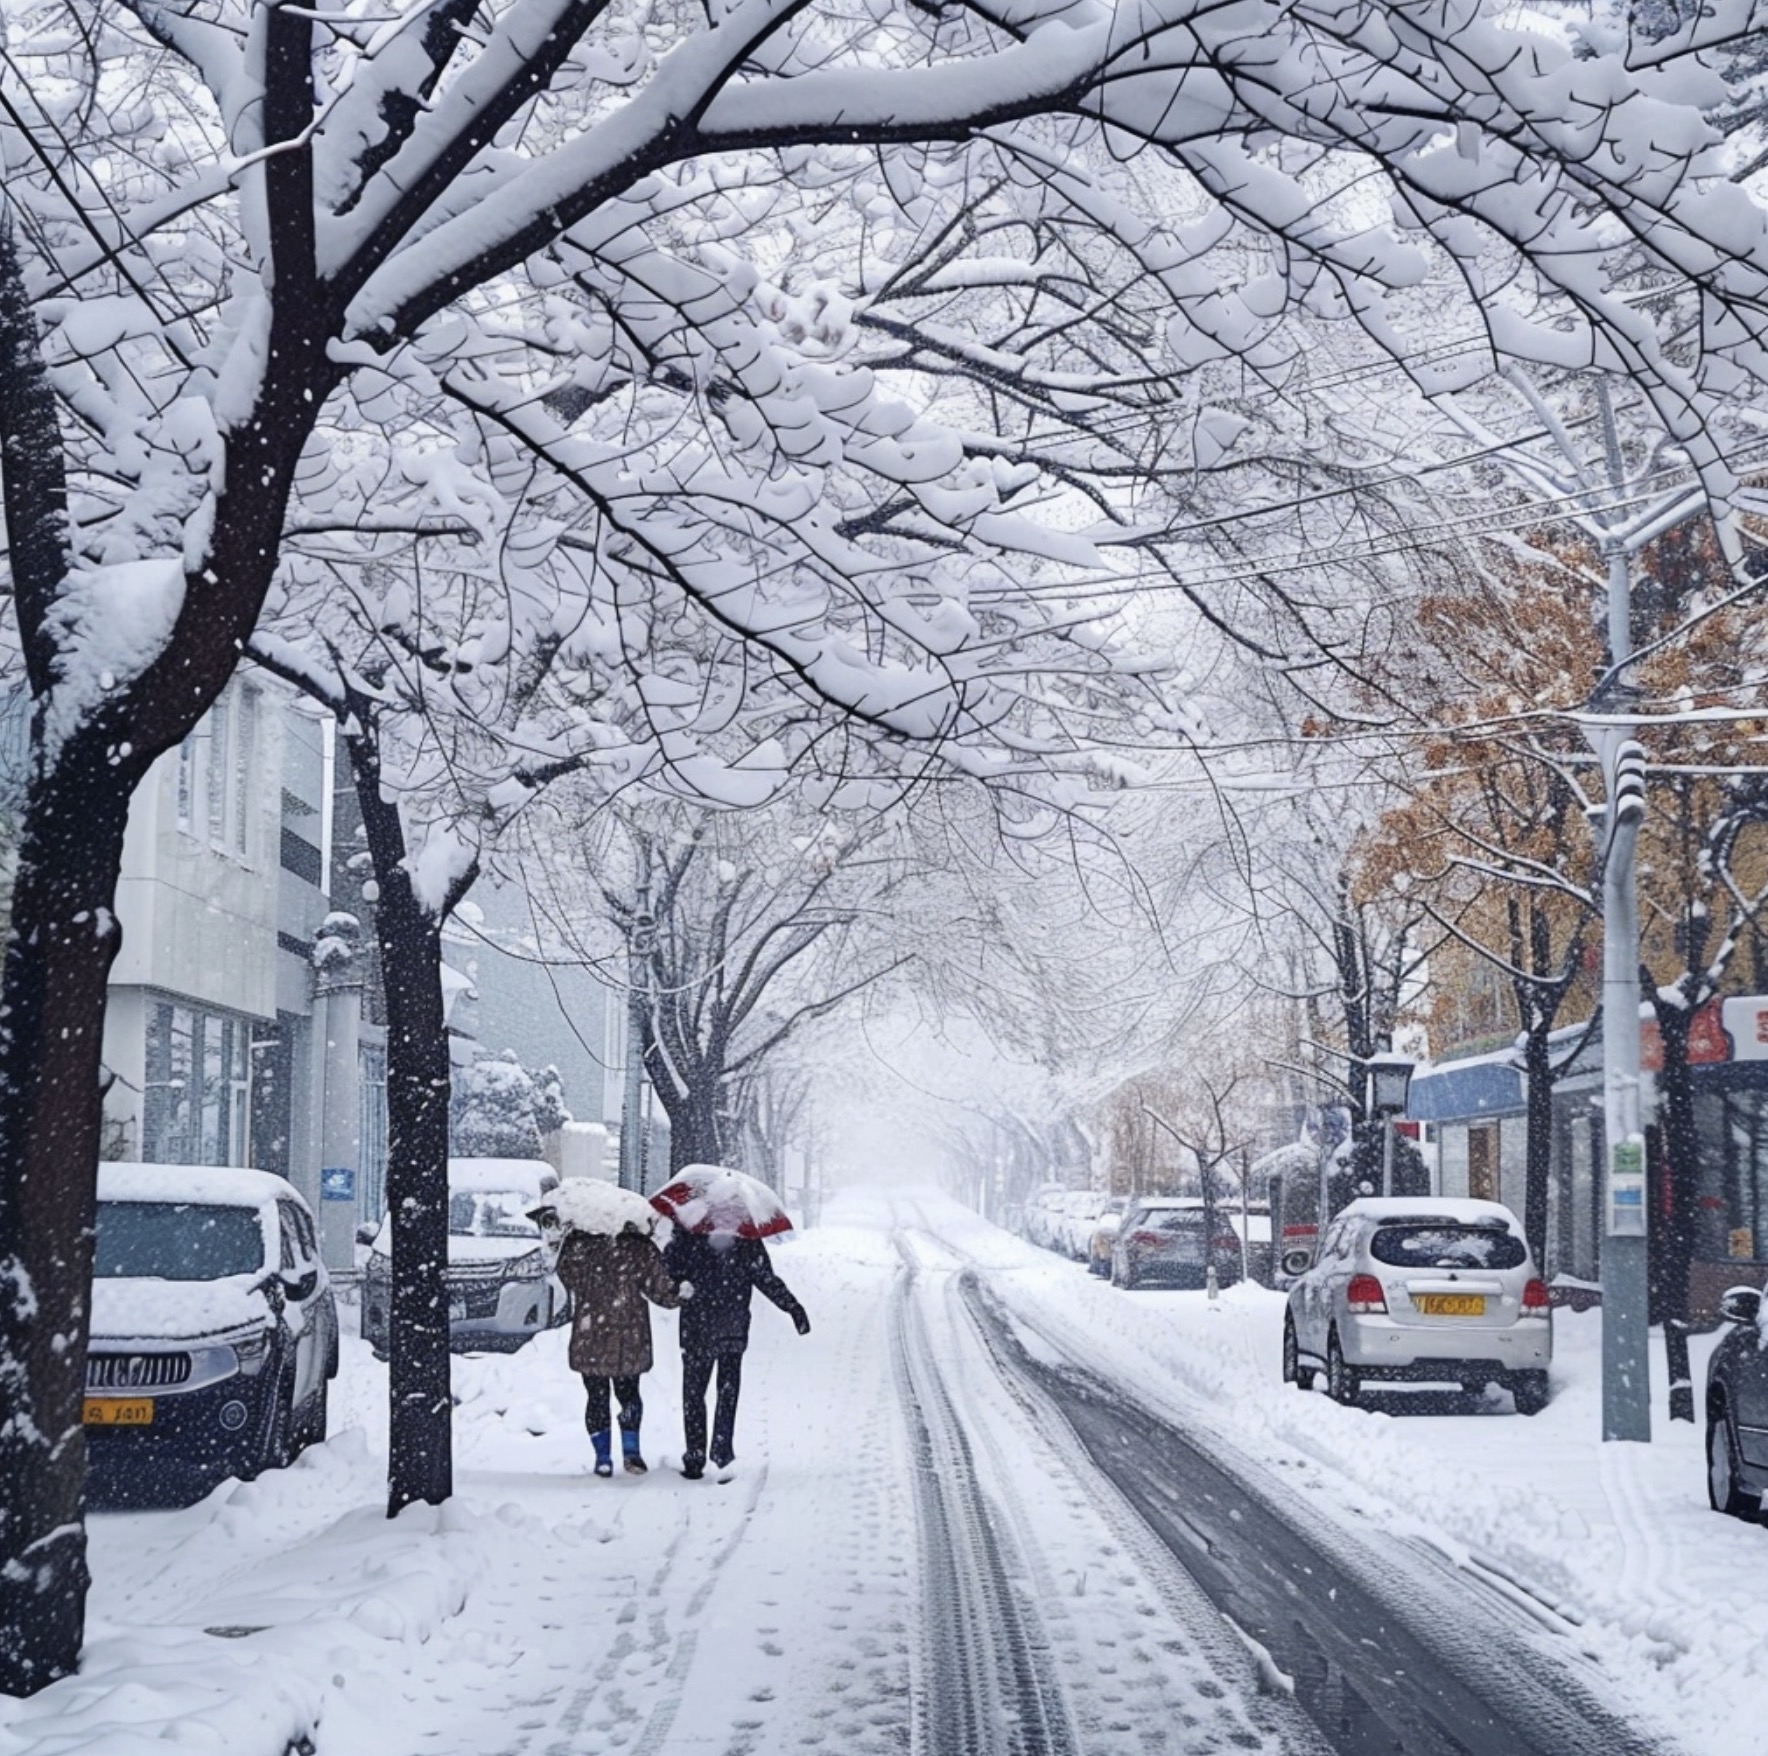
[(1493, 840)]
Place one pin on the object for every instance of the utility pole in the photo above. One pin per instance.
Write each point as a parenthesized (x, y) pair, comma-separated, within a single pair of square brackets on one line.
[(1620, 515), (1626, 1289), (1626, 1380), (632, 1123)]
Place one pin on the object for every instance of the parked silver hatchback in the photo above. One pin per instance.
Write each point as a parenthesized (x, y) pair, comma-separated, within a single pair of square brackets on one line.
[(1437, 1290)]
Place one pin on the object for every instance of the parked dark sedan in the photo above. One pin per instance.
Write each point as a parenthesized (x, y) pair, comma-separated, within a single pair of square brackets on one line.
[(1737, 1409), (1175, 1240)]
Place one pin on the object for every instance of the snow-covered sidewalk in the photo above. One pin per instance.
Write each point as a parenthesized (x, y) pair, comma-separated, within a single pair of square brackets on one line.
[(539, 1609)]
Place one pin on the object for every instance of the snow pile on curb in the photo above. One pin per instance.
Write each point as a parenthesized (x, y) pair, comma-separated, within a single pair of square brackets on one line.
[(262, 1642)]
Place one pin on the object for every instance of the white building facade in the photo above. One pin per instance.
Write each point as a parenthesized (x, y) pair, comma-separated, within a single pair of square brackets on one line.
[(226, 1041)]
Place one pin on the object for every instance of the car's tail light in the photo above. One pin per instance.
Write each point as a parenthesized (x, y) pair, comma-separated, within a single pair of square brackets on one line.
[(1364, 1295), (1146, 1238), (1535, 1302)]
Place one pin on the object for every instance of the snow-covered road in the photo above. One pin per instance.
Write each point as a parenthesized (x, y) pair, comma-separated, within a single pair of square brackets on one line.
[(915, 1553)]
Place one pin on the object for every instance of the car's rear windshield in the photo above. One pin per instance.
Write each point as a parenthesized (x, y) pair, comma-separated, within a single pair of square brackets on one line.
[(176, 1240), (496, 1214), (1172, 1219), (1447, 1246)]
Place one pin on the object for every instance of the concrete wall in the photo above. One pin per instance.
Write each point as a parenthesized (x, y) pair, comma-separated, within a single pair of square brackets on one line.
[(549, 1017)]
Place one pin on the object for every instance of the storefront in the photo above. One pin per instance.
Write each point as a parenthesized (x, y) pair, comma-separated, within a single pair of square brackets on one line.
[(1728, 1070), (1474, 1111)]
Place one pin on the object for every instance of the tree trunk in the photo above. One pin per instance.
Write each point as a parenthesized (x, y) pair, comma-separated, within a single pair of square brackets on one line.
[(59, 951), (1672, 1220), (420, 1460), (695, 1137), (1538, 1135)]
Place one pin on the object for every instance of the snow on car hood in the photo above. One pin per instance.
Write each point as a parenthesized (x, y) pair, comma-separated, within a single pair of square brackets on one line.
[(175, 1310), (467, 1249), (490, 1249)]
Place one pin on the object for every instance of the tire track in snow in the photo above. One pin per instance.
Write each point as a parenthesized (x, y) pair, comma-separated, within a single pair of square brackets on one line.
[(986, 1682), (1375, 1673), (1155, 1667)]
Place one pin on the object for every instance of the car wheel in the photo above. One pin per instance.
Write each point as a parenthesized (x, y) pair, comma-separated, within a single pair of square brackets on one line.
[(1341, 1381), (278, 1447), (1723, 1492), (1530, 1392)]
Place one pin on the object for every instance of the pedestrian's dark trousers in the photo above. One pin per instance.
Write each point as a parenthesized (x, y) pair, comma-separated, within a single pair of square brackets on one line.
[(696, 1374), (595, 1413)]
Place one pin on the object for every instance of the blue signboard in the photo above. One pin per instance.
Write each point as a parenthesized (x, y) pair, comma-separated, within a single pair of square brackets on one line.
[(337, 1183)]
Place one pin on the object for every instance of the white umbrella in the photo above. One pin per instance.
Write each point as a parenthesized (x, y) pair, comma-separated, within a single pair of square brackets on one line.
[(581, 1204)]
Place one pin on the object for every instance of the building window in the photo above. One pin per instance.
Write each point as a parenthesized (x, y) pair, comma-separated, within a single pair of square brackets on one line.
[(301, 857), (195, 1099), (272, 1094), (373, 1145), (245, 741), (1731, 1201), (1482, 1162), (187, 782), (219, 716), (225, 749)]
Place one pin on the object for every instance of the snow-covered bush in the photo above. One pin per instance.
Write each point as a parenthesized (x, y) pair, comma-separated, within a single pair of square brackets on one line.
[(493, 1110)]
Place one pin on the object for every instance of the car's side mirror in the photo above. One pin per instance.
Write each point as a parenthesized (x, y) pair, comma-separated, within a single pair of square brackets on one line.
[(301, 1286), (366, 1234), (1298, 1261), (1740, 1305)]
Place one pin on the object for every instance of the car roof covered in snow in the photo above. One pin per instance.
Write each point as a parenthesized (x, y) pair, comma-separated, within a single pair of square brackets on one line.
[(495, 1176), (1458, 1210), (1185, 1201), (199, 1185)]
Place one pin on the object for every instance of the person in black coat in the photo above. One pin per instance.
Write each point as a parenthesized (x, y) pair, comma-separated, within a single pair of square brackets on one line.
[(724, 1269)]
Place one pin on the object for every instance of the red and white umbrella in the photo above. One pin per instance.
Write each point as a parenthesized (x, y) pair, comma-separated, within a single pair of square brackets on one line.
[(714, 1199)]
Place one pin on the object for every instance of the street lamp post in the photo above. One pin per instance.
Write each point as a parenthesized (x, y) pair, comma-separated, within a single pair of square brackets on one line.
[(632, 1118), (1390, 1084)]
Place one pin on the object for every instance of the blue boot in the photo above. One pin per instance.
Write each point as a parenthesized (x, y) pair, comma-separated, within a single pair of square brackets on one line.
[(604, 1461), (635, 1464)]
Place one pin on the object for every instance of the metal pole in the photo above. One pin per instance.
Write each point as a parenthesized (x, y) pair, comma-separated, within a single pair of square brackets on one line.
[(1387, 1153), (1325, 1192), (1246, 1216), (1626, 1383), (631, 1098)]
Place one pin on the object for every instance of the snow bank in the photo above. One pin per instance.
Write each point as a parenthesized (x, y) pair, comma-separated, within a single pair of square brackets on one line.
[(273, 1595)]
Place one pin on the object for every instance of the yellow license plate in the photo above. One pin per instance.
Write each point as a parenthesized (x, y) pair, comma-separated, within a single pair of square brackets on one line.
[(1451, 1304), (119, 1411)]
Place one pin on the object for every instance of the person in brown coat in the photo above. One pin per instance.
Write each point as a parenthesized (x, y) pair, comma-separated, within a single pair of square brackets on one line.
[(609, 1280)]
